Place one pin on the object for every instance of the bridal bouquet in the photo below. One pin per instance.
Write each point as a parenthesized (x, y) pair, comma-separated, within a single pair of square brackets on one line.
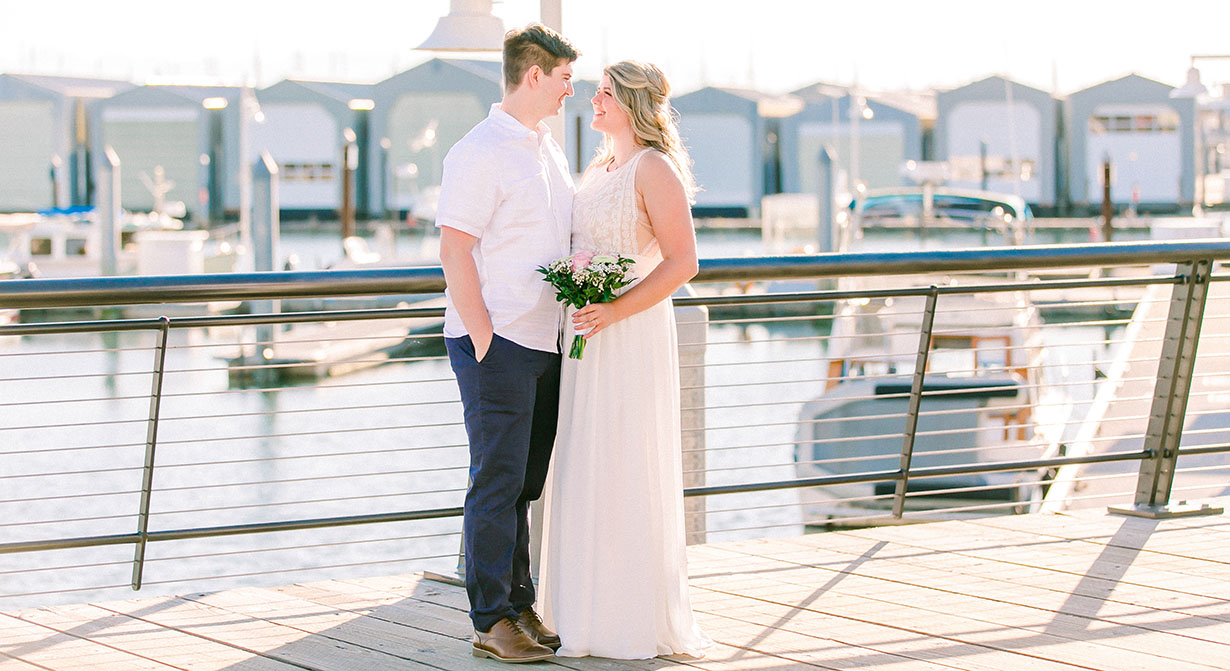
[(584, 278)]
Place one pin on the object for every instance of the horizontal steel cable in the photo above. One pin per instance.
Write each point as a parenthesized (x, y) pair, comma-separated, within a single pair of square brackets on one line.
[(996, 409), (92, 471), (918, 454), (804, 422), (69, 497), (57, 401), (301, 569), (283, 481), (284, 341), (311, 546), (301, 411), (921, 454), (78, 376), (326, 455), (274, 504), (68, 520), (70, 590), (232, 462), (899, 376), (301, 434), (878, 376), (64, 567), (51, 450), (60, 352), (823, 441), (330, 386), (849, 439)]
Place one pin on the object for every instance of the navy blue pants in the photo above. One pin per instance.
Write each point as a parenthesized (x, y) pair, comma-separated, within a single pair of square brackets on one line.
[(511, 402)]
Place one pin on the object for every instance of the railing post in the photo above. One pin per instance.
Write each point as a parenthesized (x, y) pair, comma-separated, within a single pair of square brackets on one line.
[(693, 332), (151, 444), (265, 234), (916, 389), (1169, 409), (266, 224), (826, 228), (110, 211)]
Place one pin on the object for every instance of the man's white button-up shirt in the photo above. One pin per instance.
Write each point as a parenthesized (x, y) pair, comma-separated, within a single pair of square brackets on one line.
[(510, 187)]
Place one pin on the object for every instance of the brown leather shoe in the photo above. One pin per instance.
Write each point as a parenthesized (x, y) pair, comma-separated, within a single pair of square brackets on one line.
[(507, 642), (532, 625)]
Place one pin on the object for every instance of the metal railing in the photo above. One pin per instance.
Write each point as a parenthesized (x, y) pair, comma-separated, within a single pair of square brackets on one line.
[(718, 404)]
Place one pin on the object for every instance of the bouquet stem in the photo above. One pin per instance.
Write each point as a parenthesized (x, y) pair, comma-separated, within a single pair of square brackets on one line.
[(578, 347)]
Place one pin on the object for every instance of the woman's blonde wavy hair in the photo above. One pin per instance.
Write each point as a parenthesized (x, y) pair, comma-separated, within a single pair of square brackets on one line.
[(643, 93)]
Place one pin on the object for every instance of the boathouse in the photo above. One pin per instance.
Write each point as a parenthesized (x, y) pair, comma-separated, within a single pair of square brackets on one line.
[(191, 132), (886, 136), (1000, 135), (304, 125), (1146, 135), (44, 139), (417, 116), (732, 135)]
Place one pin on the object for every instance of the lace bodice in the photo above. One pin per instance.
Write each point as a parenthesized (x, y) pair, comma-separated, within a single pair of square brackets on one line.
[(605, 214)]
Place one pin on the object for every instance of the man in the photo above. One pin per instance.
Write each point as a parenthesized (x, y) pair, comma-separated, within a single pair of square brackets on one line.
[(505, 208)]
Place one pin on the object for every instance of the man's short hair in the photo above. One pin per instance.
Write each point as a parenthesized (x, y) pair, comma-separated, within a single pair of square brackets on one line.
[(533, 45)]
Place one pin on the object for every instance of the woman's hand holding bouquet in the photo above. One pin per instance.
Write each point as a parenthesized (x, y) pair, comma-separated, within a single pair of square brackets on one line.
[(584, 278)]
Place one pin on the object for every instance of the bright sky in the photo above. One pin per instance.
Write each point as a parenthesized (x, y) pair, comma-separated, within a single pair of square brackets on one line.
[(772, 45)]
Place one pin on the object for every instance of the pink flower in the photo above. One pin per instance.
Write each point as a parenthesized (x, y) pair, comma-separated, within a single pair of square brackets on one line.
[(581, 259)]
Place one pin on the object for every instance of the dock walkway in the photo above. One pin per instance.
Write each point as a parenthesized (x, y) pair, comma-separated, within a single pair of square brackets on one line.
[(1046, 592)]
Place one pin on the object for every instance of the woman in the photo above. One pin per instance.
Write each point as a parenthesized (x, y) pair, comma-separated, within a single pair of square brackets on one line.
[(615, 583)]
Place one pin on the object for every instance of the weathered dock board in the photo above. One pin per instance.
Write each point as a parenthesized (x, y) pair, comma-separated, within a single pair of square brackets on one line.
[(1076, 590)]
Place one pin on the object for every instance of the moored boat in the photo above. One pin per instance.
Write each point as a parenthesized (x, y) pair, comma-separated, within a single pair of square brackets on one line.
[(980, 386)]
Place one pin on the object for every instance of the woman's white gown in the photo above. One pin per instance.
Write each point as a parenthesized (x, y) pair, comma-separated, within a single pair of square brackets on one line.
[(615, 577)]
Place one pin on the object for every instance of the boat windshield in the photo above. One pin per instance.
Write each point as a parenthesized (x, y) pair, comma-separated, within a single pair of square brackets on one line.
[(944, 206)]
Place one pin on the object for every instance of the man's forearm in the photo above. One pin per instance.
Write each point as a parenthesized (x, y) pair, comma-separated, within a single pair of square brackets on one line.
[(461, 276)]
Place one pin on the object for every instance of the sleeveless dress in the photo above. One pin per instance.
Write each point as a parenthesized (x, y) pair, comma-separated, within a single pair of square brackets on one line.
[(615, 580)]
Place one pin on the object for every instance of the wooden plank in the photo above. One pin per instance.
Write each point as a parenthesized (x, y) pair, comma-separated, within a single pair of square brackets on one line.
[(439, 619), (285, 644), (957, 636), (1107, 598), (866, 644), (449, 596), (1000, 588), (11, 664), (1211, 523), (388, 632), (723, 657), (146, 639), (1196, 638), (870, 642), (412, 612), (820, 641), (355, 629), (1094, 521), (860, 593), (1162, 536), (41, 646), (1119, 564)]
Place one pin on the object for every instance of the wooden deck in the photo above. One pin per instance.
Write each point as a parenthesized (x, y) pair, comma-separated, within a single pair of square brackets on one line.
[(1082, 590)]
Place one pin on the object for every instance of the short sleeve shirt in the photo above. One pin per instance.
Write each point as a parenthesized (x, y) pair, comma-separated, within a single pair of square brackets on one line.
[(510, 187)]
